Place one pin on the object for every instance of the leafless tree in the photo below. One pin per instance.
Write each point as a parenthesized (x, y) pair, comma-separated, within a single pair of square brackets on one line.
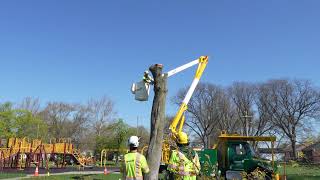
[(243, 96), (250, 113), (31, 104), (80, 124), (101, 112), (58, 117), (167, 123), (227, 111), (66, 120), (209, 111), (289, 105), (144, 135)]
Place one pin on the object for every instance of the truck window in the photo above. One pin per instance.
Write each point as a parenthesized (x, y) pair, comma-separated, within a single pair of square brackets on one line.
[(240, 149)]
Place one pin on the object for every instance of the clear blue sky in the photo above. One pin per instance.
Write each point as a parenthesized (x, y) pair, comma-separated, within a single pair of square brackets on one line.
[(73, 50)]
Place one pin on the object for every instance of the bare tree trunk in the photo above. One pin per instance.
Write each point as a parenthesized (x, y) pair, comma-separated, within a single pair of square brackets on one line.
[(293, 146), (157, 122), (206, 144)]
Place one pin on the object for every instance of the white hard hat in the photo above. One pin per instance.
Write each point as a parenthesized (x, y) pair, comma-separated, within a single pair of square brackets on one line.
[(133, 141)]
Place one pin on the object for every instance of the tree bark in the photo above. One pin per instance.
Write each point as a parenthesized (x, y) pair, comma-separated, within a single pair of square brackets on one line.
[(157, 122), (293, 146)]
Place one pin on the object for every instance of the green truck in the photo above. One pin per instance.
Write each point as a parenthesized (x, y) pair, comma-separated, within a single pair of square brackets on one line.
[(233, 158)]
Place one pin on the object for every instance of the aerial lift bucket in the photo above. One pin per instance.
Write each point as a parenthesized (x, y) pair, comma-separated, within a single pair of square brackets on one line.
[(141, 90)]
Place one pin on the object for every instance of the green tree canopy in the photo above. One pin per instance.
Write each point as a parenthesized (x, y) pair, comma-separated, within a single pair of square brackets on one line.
[(116, 136), (20, 123)]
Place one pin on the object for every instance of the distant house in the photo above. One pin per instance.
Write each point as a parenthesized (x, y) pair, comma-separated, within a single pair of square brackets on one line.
[(288, 154), (304, 152), (312, 153)]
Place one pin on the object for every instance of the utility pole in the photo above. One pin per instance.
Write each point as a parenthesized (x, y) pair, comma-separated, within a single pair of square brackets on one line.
[(137, 124), (246, 118)]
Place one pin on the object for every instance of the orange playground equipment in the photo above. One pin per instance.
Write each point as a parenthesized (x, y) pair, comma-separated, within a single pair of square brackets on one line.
[(23, 152)]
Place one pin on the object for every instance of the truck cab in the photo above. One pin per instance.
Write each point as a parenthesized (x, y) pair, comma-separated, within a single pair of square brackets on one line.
[(237, 153), (233, 155)]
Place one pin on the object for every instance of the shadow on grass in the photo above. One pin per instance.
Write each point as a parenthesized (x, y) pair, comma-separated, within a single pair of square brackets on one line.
[(82, 177), (87, 177)]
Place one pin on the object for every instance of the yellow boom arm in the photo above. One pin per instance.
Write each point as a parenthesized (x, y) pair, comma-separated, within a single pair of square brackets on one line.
[(179, 117)]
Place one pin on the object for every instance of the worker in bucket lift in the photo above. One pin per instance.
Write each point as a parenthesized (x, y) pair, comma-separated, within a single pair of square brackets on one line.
[(147, 78), (184, 162), (134, 163)]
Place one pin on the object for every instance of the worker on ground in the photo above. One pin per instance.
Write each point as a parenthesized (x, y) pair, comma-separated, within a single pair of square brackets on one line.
[(134, 163), (184, 162)]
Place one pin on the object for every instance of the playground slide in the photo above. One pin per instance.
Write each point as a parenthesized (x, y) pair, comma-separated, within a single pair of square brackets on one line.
[(81, 160)]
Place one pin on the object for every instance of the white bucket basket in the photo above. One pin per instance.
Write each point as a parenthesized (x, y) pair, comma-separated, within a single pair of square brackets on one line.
[(141, 90)]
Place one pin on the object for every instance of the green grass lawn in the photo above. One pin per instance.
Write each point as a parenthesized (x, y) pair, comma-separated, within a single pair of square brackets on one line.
[(301, 172), (78, 176), (293, 173), (5, 175)]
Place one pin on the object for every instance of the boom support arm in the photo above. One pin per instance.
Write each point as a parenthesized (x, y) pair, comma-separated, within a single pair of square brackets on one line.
[(179, 117)]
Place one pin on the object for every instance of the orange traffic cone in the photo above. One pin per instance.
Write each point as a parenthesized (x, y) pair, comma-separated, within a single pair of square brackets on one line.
[(105, 172), (36, 172)]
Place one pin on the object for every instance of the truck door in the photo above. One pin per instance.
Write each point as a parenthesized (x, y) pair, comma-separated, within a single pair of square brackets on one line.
[(236, 155)]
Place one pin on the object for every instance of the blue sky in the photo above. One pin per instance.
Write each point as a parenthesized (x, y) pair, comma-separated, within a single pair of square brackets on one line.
[(74, 50)]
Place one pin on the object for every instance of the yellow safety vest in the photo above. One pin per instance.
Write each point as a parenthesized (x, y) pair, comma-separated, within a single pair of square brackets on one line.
[(182, 167), (134, 164)]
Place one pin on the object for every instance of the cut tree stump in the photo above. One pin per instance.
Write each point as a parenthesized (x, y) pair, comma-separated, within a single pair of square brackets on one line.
[(157, 121)]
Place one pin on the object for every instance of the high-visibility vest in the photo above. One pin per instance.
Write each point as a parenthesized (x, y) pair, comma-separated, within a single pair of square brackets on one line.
[(134, 165), (182, 167)]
